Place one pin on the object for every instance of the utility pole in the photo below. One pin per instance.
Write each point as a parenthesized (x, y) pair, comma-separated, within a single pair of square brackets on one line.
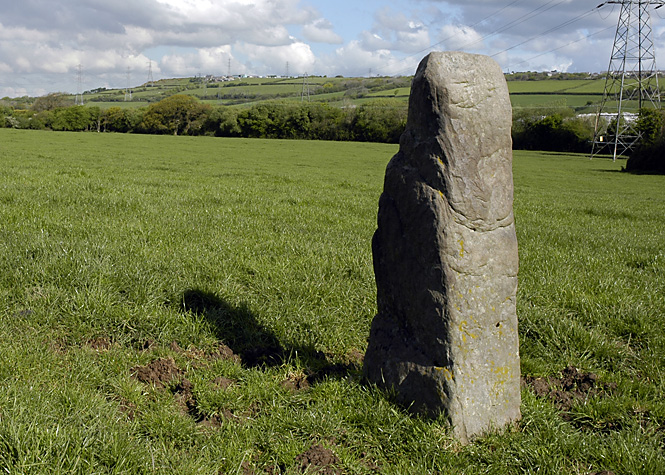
[(287, 69), (632, 78), (79, 86)]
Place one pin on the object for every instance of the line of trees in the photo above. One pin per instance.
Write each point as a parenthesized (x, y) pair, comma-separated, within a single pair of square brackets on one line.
[(378, 121), (381, 120)]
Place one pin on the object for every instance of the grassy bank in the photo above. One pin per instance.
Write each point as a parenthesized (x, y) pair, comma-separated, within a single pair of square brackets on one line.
[(200, 305)]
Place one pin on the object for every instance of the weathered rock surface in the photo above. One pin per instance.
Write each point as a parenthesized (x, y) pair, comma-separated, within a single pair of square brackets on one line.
[(445, 252)]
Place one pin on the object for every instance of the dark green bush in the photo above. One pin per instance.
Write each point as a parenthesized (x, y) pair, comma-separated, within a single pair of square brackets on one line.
[(649, 157), (552, 131)]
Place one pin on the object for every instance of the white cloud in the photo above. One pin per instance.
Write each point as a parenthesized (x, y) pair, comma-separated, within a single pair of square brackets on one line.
[(21, 34), (465, 38), (13, 92), (273, 59), (237, 16), (100, 26), (397, 32), (373, 41), (321, 31), (43, 41), (201, 61), (354, 60)]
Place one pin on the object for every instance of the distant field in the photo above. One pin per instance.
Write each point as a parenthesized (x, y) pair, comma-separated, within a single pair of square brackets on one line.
[(559, 86), (580, 94), (527, 101), (200, 305), (402, 92)]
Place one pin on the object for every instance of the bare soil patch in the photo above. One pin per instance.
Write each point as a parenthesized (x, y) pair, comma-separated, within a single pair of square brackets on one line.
[(160, 372), (184, 395), (99, 344), (319, 460), (571, 388), (295, 382)]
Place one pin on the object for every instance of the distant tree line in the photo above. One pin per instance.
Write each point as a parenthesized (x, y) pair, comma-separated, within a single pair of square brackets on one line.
[(377, 121), (540, 76)]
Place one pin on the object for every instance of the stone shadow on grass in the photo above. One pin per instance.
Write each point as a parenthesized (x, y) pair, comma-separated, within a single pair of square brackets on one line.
[(256, 345), (236, 327)]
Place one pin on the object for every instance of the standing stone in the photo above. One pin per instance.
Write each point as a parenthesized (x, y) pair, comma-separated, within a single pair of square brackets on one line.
[(445, 252)]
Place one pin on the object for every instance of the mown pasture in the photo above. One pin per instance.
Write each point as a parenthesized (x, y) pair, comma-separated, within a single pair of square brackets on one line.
[(126, 254)]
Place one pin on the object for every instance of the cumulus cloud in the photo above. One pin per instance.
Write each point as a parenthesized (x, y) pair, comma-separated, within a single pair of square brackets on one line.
[(374, 42), (197, 61), (455, 37), (14, 92), (273, 59), (321, 31), (137, 25), (514, 32), (395, 31), (47, 39), (353, 59)]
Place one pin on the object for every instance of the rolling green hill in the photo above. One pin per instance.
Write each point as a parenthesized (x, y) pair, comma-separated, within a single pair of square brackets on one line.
[(583, 95)]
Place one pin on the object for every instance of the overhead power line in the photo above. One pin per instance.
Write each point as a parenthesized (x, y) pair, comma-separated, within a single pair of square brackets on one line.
[(517, 21), (471, 26), (430, 47), (563, 46), (551, 30)]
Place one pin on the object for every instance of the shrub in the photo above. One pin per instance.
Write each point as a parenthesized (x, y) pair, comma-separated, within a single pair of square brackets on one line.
[(177, 114), (552, 131), (649, 156)]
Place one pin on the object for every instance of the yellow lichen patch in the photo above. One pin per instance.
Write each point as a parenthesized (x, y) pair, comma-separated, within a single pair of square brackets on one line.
[(464, 332), (502, 371), (446, 373), (461, 247)]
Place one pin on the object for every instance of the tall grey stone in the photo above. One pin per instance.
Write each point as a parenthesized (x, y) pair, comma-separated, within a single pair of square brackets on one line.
[(445, 252)]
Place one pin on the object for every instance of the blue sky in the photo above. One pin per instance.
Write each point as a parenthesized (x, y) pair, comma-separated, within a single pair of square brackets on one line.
[(42, 42)]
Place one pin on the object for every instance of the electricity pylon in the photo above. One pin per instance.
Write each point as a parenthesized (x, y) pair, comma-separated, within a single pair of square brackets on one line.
[(305, 88), (151, 80), (79, 86), (632, 78), (128, 90)]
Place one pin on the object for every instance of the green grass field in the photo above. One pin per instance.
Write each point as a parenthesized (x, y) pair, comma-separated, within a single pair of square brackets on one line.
[(121, 254), (549, 86)]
